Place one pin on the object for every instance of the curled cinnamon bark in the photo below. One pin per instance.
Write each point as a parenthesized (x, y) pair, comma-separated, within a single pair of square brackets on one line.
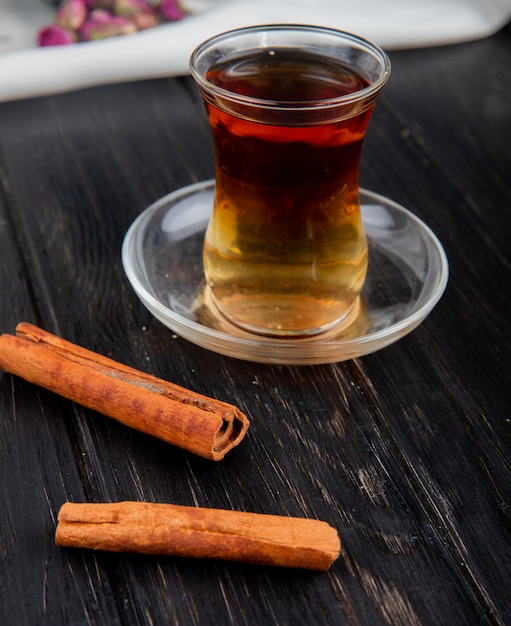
[(185, 531), (201, 425)]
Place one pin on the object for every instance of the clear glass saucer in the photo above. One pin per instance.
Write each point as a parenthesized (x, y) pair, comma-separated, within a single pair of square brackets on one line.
[(162, 258)]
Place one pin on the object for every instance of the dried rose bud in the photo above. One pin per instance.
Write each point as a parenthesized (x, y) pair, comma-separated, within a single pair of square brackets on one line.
[(127, 8), (71, 14), (102, 25), (100, 15), (143, 21), (140, 12), (170, 10), (55, 36)]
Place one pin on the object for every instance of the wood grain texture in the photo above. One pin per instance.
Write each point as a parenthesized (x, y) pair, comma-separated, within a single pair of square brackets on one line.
[(405, 452)]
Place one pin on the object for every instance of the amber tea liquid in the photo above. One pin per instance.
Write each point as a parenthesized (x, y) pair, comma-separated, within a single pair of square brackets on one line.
[(285, 252)]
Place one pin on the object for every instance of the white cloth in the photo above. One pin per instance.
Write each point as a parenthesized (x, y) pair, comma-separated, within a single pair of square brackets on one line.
[(28, 71)]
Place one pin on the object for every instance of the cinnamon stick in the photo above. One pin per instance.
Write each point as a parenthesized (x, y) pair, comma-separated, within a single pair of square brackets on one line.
[(186, 531), (201, 425)]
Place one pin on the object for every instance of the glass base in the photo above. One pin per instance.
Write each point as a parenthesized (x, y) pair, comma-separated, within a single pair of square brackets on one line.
[(266, 311), (407, 275)]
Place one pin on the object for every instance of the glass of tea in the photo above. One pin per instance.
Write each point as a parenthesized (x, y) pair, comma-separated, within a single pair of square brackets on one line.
[(285, 252)]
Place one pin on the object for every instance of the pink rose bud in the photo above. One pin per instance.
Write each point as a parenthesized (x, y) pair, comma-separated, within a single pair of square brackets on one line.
[(71, 14), (55, 36), (127, 8), (105, 25), (170, 10), (143, 21), (100, 15)]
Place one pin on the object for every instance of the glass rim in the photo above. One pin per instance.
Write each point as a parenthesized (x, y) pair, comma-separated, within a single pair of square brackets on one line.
[(292, 105)]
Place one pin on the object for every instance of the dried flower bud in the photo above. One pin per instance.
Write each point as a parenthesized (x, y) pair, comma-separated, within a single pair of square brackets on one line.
[(88, 20), (71, 14), (55, 36), (127, 8), (100, 15), (143, 21), (102, 25), (170, 10)]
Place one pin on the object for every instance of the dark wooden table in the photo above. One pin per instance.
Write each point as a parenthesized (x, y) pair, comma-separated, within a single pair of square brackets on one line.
[(406, 452)]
